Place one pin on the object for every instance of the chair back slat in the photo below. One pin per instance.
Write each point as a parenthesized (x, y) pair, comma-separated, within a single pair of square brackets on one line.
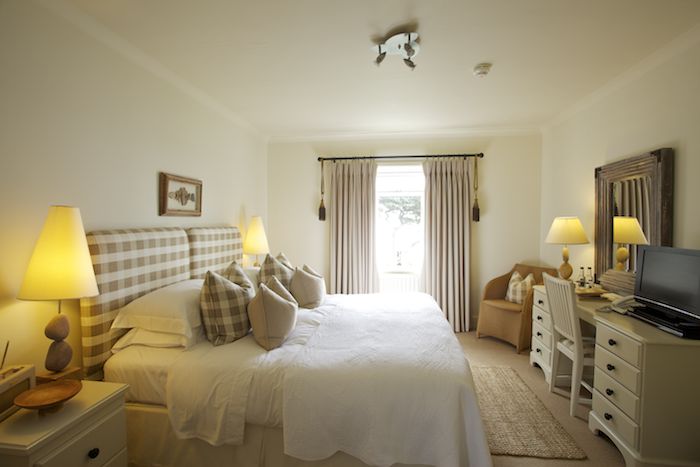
[(562, 305)]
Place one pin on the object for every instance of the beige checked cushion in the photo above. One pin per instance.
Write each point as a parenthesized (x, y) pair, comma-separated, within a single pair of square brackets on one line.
[(272, 317), (279, 267), (224, 305), (308, 287), (518, 288)]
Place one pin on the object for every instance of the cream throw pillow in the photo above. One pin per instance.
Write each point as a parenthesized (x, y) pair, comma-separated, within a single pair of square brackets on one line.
[(279, 267), (276, 286), (518, 288), (272, 317), (308, 287)]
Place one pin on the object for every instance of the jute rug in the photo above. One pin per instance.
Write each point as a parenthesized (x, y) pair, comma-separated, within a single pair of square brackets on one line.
[(517, 423)]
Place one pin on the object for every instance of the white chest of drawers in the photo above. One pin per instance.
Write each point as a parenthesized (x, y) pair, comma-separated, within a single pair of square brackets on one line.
[(646, 394), (89, 430), (541, 345)]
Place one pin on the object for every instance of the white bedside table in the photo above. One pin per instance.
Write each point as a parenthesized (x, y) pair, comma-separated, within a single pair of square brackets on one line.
[(89, 430)]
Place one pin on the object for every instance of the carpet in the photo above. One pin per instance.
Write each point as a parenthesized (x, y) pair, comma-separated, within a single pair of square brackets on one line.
[(517, 423)]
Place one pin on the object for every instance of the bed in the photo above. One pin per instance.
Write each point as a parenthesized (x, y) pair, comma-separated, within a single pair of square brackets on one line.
[(362, 380)]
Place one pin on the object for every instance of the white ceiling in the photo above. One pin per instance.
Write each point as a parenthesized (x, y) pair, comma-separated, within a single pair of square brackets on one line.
[(304, 67)]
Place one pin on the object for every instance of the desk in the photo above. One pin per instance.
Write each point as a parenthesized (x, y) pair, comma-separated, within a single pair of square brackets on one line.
[(646, 396)]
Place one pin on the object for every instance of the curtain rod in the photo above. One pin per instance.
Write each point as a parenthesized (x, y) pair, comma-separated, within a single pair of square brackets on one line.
[(320, 159)]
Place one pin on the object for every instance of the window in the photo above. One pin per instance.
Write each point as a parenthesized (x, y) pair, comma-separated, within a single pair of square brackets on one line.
[(399, 226)]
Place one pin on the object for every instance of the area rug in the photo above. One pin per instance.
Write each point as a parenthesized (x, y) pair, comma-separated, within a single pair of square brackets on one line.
[(517, 423)]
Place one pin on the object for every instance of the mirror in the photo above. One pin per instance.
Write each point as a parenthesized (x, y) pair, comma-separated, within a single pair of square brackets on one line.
[(640, 187)]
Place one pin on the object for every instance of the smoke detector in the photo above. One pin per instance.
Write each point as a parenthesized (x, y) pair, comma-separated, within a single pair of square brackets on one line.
[(482, 69)]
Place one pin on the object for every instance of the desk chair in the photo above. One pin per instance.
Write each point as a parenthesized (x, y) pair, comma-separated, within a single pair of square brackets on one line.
[(567, 339)]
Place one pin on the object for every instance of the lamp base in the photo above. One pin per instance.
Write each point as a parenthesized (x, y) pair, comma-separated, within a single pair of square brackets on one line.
[(60, 352), (565, 270), (622, 255)]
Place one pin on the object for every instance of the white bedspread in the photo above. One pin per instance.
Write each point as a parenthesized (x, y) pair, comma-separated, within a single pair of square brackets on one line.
[(380, 377), (385, 380)]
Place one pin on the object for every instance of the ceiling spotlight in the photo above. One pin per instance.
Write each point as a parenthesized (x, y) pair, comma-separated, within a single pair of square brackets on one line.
[(482, 69), (404, 45), (381, 56)]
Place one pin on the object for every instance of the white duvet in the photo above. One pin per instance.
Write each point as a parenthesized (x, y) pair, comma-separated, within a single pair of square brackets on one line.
[(380, 377)]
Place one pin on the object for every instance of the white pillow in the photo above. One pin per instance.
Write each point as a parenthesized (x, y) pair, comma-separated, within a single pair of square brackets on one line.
[(173, 309), (138, 336), (307, 287)]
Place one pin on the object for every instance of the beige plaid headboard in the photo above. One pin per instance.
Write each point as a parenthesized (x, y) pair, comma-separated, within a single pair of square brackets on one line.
[(128, 264), (213, 249)]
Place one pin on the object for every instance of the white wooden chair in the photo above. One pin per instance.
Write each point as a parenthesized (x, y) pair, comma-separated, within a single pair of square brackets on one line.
[(566, 338)]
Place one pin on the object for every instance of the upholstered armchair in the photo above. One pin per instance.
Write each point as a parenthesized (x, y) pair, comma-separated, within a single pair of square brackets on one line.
[(506, 320)]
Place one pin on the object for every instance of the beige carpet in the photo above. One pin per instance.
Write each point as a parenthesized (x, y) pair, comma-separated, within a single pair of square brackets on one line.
[(517, 423)]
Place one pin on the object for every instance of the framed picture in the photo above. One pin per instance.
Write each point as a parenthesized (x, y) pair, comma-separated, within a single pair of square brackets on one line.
[(179, 196)]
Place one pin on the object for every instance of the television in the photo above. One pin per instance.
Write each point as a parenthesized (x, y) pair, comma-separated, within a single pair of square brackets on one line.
[(668, 285)]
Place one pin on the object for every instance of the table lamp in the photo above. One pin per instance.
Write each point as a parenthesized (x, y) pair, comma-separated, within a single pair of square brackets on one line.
[(255, 240), (626, 231), (566, 231), (60, 268)]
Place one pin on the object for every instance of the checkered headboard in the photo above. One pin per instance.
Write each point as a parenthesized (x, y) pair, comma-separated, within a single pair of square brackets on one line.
[(128, 264), (213, 249)]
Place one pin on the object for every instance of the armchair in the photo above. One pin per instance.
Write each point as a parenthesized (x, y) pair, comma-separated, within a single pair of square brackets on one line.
[(506, 320)]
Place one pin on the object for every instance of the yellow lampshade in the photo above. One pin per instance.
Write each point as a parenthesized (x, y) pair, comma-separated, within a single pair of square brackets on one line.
[(627, 230), (60, 267), (255, 240), (566, 231)]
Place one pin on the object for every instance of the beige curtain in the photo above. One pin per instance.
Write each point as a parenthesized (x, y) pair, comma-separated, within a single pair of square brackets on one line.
[(353, 189), (632, 200), (447, 211)]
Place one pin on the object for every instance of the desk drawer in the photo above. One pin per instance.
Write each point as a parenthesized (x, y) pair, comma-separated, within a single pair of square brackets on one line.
[(95, 447), (540, 299), (621, 345), (540, 349), (542, 334), (617, 394), (618, 369), (542, 318), (616, 420)]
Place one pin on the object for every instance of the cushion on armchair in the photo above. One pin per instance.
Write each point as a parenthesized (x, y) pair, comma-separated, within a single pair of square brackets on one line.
[(518, 288)]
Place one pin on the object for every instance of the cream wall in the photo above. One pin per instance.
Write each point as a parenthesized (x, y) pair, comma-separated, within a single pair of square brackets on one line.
[(86, 125), (509, 197), (657, 108)]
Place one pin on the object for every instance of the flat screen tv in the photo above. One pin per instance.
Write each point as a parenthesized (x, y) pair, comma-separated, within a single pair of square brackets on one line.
[(668, 284)]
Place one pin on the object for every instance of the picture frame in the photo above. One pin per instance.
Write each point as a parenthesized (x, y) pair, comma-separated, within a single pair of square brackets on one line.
[(179, 196)]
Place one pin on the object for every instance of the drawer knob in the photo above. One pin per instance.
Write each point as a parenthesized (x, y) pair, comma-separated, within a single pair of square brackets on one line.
[(539, 334), (610, 367), (609, 392), (538, 351), (539, 317), (93, 453), (611, 342), (607, 416), (540, 302)]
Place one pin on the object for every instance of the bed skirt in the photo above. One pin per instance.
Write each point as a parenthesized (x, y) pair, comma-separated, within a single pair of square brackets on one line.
[(152, 442)]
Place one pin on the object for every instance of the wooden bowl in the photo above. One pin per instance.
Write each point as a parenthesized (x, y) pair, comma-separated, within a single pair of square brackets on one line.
[(50, 396)]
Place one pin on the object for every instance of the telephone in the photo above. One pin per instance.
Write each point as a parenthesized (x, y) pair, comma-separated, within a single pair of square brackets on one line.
[(623, 304)]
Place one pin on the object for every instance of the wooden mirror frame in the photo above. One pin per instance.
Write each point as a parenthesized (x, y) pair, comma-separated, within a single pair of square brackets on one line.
[(658, 166)]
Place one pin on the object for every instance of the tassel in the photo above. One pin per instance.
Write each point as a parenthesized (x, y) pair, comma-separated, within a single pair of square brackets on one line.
[(322, 207), (475, 207)]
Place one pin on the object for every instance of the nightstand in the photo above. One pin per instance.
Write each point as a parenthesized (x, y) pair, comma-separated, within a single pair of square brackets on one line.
[(89, 430)]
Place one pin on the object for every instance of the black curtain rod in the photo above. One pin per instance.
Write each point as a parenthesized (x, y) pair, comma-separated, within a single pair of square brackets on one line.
[(479, 155)]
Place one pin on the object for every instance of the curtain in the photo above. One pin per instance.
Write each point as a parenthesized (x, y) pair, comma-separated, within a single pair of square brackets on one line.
[(353, 191), (447, 225), (632, 200)]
